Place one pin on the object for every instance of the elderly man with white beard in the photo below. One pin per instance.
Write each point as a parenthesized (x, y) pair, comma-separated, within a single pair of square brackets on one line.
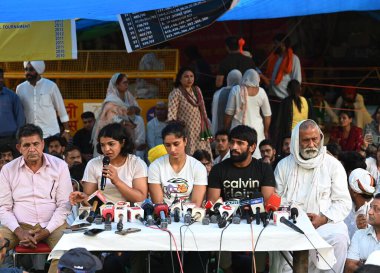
[(315, 182)]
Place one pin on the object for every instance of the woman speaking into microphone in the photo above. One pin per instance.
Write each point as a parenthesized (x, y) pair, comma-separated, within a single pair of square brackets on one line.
[(125, 176)]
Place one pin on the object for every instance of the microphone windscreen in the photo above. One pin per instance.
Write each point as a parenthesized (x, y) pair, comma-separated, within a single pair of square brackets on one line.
[(273, 203), (294, 212), (106, 160)]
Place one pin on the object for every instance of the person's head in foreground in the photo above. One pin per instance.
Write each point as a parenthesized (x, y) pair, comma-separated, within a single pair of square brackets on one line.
[(79, 260)]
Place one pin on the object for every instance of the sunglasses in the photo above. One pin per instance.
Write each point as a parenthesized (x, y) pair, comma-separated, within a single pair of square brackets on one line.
[(6, 244)]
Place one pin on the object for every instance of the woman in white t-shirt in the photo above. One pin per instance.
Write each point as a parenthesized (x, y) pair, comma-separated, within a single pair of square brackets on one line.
[(126, 175), (176, 175)]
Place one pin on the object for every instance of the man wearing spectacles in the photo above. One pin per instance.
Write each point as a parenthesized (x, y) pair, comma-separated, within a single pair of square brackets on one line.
[(4, 244)]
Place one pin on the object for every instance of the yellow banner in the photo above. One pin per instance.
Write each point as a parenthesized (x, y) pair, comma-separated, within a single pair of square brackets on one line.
[(28, 41)]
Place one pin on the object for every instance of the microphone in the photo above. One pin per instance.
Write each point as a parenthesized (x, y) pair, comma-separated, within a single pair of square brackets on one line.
[(106, 162), (187, 216), (236, 219), (161, 210), (91, 216), (294, 214), (225, 213), (135, 213), (176, 211), (272, 204), (257, 206), (148, 208), (291, 225), (197, 214), (83, 215), (120, 225), (108, 212)]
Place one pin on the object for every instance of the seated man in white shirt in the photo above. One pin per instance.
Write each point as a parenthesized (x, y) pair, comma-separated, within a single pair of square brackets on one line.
[(365, 241)]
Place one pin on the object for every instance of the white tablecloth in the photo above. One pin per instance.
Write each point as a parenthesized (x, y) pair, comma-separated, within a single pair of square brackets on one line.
[(198, 237)]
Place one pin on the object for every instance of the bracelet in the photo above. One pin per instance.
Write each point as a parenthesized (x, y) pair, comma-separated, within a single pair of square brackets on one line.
[(67, 131)]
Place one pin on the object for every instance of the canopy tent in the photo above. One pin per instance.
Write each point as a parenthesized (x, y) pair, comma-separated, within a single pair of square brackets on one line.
[(44, 10)]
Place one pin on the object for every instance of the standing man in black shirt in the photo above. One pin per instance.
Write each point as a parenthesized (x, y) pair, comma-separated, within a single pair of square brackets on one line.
[(82, 138), (234, 60), (241, 175)]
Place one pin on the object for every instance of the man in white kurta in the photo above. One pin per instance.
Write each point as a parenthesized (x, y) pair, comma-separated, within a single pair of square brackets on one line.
[(316, 182)]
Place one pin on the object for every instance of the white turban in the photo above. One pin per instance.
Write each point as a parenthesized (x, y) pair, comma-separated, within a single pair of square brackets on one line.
[(39, 66), (361, 181)]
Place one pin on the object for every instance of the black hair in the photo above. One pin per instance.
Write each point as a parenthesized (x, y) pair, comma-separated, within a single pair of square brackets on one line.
[(368, 268), (221, 133), (117, 132), (349, 113), (376, 196), (120, 77), (352, 160), (245, 133), (70, 149), (281, 37), (266, 142), (182, 70), (62, 141), (29, 130), (334, 149), (232, 43), (7, 148), (1, 71), (284, 138), (202, 154), (175, 127), (87, 114), (293, 87)]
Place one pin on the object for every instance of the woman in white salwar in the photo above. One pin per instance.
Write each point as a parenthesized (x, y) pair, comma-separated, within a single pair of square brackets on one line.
[(245, 104)]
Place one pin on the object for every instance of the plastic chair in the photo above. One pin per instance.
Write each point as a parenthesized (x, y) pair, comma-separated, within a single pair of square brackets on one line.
[(42, 248)]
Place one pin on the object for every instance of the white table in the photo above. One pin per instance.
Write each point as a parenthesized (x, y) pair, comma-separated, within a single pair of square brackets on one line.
[(200, 237)]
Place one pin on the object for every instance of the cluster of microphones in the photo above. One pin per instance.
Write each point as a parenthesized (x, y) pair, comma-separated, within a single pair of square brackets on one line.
[(253, 210)]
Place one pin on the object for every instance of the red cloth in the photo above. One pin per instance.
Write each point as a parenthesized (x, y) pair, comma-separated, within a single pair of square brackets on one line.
[(352, 143), (285, 66)]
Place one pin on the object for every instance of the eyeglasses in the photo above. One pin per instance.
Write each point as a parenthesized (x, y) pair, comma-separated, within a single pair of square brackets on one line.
[(6, 244)]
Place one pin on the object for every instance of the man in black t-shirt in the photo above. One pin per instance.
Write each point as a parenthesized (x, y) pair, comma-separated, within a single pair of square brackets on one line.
[(82, 138), (234, 60), (241, 175)]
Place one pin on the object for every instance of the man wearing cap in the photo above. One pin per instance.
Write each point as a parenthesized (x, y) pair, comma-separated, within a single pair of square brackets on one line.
[(365, 241), (315, 182), (79, 260), (361, 187), (42, 100)]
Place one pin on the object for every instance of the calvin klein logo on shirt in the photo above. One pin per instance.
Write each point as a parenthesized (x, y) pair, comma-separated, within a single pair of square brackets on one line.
[(237, 184)]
